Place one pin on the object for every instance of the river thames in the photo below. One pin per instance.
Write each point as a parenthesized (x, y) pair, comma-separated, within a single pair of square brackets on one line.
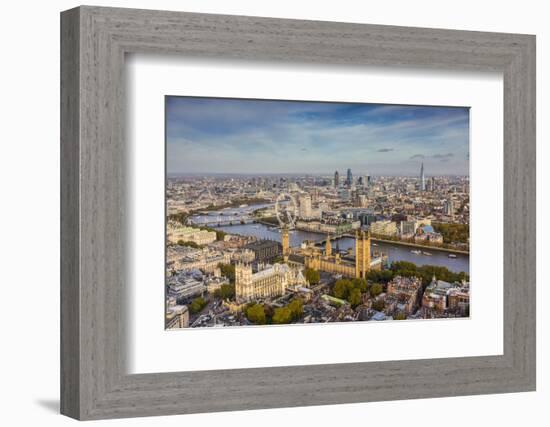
[(393, 251)]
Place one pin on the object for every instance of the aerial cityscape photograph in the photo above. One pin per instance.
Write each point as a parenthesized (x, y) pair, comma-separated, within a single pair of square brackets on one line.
[(301, 212)]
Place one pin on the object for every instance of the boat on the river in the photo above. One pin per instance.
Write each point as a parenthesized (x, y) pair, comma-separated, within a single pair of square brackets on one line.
[(374, 244), (416, 252), (426, 253), (452, 256)]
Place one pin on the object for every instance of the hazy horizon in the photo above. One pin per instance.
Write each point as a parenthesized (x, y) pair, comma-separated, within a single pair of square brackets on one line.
[(301, 174)]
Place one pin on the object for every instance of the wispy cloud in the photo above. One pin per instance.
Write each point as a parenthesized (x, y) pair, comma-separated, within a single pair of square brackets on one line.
[(253, 136), (443, 156)]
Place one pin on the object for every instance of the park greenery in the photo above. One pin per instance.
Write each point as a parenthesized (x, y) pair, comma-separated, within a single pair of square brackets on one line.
[(426, 272), (453, 233), (375, 290), (409, 269), (461, 242), (197, 305), (228, 270), (296, 307), (261, 314), (354, 297), (282, 316), (352, 290), (189, 244), (255, 313), (378, 305), (225, 292), (312, 276), (380, 276), (180, 217)]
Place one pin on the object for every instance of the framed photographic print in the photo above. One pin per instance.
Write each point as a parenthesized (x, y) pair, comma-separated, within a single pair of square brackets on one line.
[(239, 194), (252, 219)]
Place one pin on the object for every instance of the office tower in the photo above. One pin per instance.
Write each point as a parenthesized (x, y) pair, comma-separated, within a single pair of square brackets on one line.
[(448, 207), (305, 206), (336, 179), (349, 179), (365, 181), (422, 178), (429, 185)]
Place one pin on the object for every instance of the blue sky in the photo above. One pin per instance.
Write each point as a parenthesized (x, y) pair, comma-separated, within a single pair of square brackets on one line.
[(215, 135)]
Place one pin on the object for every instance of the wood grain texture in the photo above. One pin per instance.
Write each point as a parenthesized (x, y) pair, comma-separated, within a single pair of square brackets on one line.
[(70, 259), (94, 233)]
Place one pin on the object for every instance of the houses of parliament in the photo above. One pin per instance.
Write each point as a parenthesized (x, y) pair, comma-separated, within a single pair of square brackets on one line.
[(327, 261), (272, 281)]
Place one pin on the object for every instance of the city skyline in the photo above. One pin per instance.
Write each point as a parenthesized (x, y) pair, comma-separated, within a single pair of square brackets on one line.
[(216, 136), (298, 174)]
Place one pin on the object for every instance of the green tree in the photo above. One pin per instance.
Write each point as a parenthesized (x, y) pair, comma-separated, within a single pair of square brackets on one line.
[(360, 284), (226, 292), (378, 305), (180, 217), (296, 307), (342, 288), (255, 313), (282, 315), (403, 265), (424, 272), (268, 310), (399, 316), (380, 276), (376, 289), (197, 305), (354, 297), (189, 244), (453, 233), (228, 270), (312, 276)]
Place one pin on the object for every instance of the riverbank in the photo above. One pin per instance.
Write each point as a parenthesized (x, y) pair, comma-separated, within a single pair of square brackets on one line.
[(393, 250), (234, 204), (267, 223), (375, 239), (399, 243), (416, 245)]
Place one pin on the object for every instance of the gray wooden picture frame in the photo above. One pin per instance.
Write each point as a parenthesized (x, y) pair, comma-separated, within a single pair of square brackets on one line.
[(94, 41)]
